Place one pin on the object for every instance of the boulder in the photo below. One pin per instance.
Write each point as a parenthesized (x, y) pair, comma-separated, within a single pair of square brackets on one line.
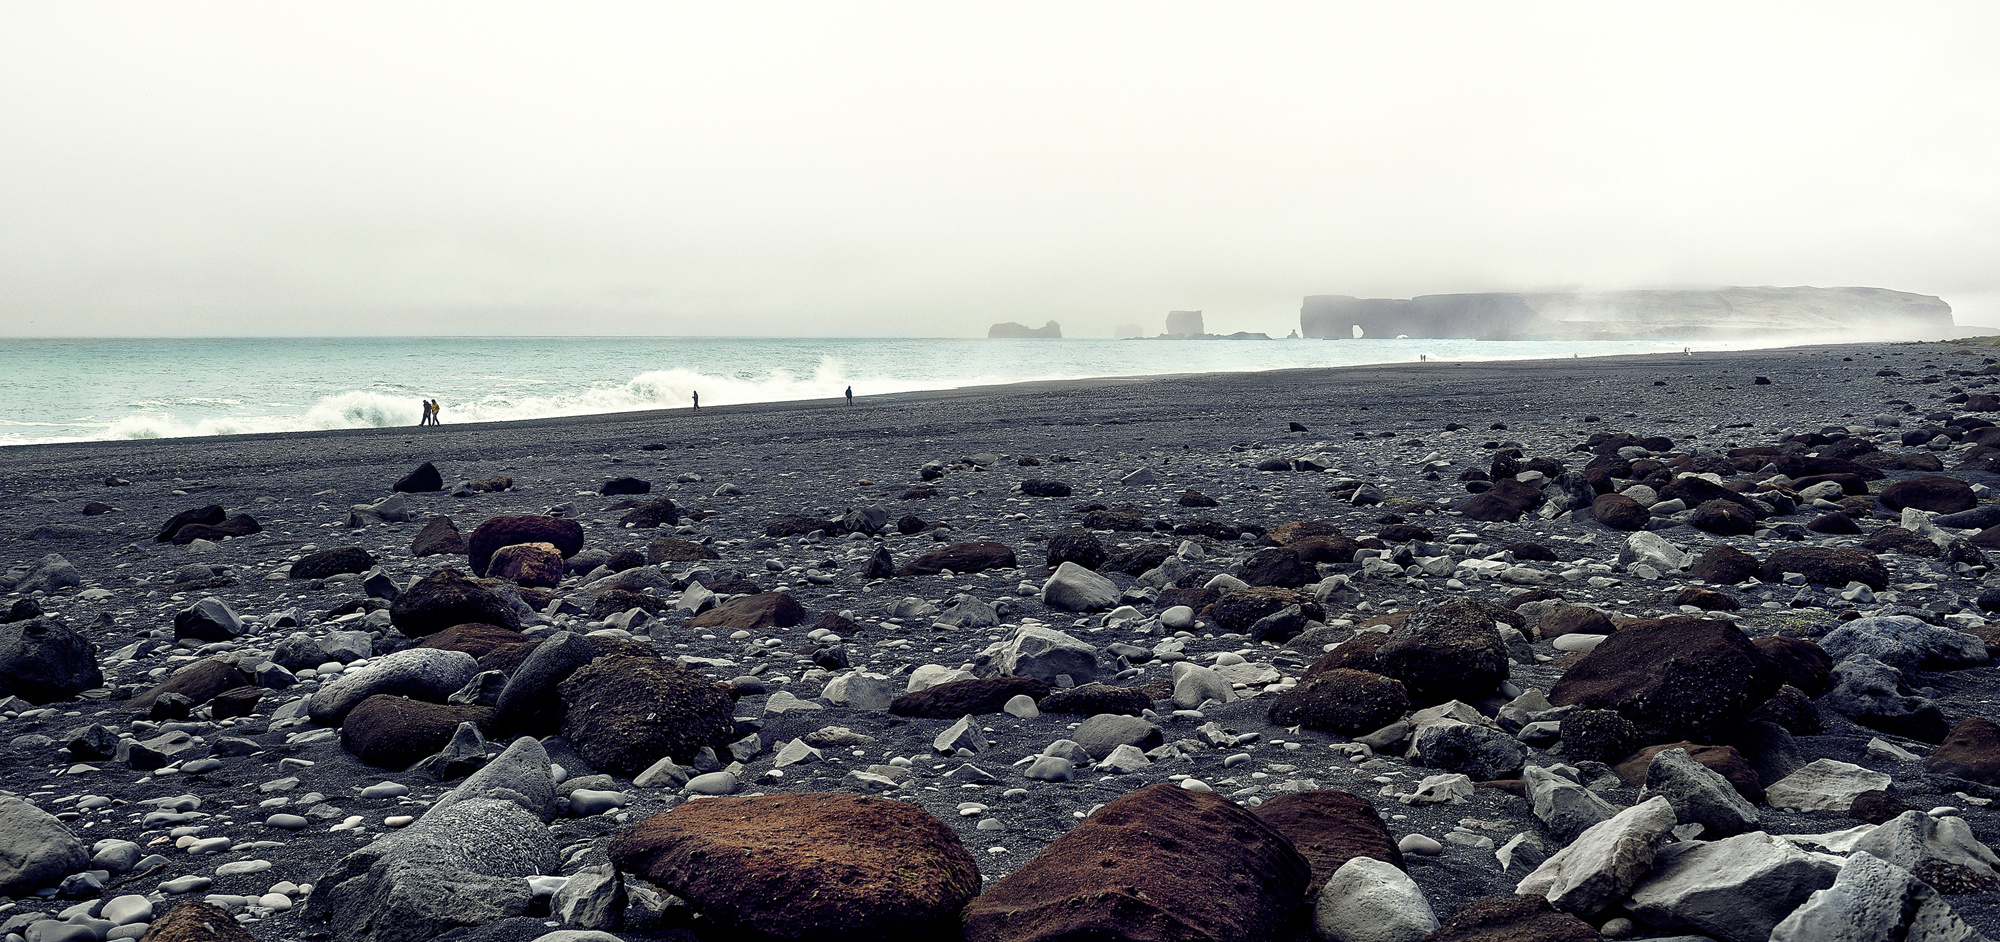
[(199, 682), (1732, 890), (1699, 795), (333, 562), (1904, 642), (1723, 564), (1874, 899), (759, 612), (1348, 702), (655, 513), (1824, 785), (1726, 761), (626, 485), (1873, 694), (1684, 678), (1505, 501), (209, 515), (1448, 650), (531, 702), (1076, 545), (1971, 751), (1105, 733), (806, 866), (459, 865), (624, 713), (668, 549), (529, 564), (475, 639), (446, 598), (423, 480), (1077, 589), (1044, 654), (1478, 751), (438, 537), (1328, 828), (1620, 512), (1239, 610), (36, 850), (565, 535), (1512, 919), (210, 619), (1826, 565), (1806, 665), (1367, 900), (1277, 566), (1723, 517), (1932, 492), (1565, 808), (1186, 865), (972, 696), (237, 525), (394, 732), (1092, 699), (196, 921), (424, 674), (43, 661), (961, 558), (1603, 864), (1558, 620), (1920, 843), (1597, 735)]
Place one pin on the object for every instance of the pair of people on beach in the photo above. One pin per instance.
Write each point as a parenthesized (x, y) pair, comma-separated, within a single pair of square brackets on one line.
[(430, 413)]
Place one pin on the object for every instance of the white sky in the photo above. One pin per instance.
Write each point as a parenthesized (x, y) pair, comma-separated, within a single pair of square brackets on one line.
[(926, 169)]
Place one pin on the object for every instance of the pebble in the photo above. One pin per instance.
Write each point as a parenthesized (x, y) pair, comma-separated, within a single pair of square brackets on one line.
[(399, 821), (186, 884), (385, 790), (287, 822), (1419, 844), (239, 867)]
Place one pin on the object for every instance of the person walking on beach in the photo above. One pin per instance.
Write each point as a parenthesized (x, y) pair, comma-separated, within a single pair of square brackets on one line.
[(425, 406), (435, 409), (697, 399), (850, 395)]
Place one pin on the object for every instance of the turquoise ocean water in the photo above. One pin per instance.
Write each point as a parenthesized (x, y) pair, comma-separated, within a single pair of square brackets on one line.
[(87, 389)]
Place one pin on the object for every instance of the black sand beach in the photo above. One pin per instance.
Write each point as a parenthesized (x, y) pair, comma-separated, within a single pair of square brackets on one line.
[(1374, 462)]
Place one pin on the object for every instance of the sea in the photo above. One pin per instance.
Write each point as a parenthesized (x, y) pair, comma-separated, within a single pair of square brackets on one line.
[(65, 390)]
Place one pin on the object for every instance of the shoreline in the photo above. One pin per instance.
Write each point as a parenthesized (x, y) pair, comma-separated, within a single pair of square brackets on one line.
[(1004, 390)]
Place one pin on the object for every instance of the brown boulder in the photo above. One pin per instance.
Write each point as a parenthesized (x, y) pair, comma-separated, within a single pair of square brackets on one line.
[(1933, 492), (394, 732), (961, 558), (807, 866), (1826, 565), (1559, 620), (199, 682), (209, 515), (238, 525), (1238, 609), (474, 638), (1160, 864), (1805, 664), (196, 921), (1506, 501), (1837, 524), (1706, 599), (655, 513), (1348, 702), (953, 699), (236, 701), (1723, 564), (668, 549), (1092, 699), (533, 564), (1356, 653), (446, 598), (565, 535), (332, 562), (1328, 828), (625, 713), (439, 537), (1678, 678), (1724, 517), (1278, 566), (1620, 512), (1512, 919), (1722, 760), (752, 613), (1971, 751)]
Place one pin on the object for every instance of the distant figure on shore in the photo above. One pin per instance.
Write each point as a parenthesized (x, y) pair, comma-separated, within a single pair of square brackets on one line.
[(1423, 358), (425, 406), (697, 400), (430, 413), (435, 409), (850, 395)]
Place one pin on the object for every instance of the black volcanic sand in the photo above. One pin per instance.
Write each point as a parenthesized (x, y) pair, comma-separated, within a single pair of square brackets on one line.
[(1380, 424)]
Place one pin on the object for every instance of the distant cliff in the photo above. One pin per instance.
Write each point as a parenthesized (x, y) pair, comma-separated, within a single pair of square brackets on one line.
[(1633, 315), (1184, 324), (1011, 329)]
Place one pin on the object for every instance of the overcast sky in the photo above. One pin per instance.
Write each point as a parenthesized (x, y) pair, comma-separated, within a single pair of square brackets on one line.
[(926, 169)]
